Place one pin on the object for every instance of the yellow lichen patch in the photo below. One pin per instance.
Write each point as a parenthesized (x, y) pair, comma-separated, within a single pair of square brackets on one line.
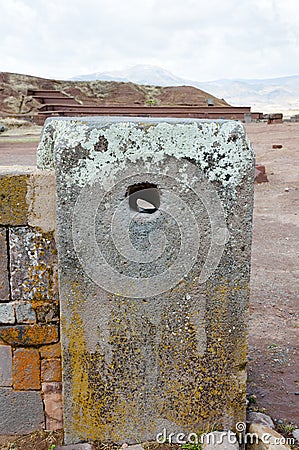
[(85, 418), (81, 395), (155, 364), (13, 191), (95, 410), (200, 387)]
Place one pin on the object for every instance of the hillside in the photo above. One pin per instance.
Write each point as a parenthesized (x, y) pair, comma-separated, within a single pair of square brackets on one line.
[(15, 100), (269, 95)]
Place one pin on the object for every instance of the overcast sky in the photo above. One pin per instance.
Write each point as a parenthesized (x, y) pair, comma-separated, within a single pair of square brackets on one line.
[(195, 39)]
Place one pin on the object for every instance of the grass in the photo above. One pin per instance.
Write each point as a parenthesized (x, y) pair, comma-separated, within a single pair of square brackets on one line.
[(38, 440)]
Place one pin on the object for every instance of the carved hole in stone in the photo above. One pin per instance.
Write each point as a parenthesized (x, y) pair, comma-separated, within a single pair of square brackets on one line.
[(144, 197)]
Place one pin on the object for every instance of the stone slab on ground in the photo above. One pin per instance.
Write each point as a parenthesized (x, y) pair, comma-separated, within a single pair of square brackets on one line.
[(219, 440), (132, 447), (21, 411), (258, 417), (295, 433), (75, 447), (267, 438)]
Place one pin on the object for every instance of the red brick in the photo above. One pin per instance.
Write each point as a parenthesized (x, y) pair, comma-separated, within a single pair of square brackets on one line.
[(26, 369), (51, 370)]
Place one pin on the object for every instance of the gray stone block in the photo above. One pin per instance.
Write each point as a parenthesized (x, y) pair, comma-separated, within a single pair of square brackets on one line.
[(5, 365), (33, 264), (154, 233), (7, 313), (21, 411), (220, 440), (25, 313)]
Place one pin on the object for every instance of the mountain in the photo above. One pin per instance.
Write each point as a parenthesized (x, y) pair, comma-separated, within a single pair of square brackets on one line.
[(267, 95), (140, 74)]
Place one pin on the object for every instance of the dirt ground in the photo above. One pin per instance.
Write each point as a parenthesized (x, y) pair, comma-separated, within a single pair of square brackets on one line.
[(19, 149), (273, 370), (273, 374)]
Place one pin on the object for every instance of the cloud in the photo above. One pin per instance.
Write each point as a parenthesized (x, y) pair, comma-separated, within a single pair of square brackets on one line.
[(195, 39)]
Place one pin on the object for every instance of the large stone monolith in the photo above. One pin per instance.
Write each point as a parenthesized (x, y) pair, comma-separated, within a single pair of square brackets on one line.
[(154, 233)]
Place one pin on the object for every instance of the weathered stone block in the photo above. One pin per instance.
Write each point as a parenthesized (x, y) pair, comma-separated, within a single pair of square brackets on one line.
[(27, 198), (4, 278), (13, 193), (154, 233), (26, 369), (29, 335), (5, 365), (52, 388), (46, 311), (41, 199), (33, 264), (21, 412), (7, 313), (53, 405), (50, 351), (25, 313), (51, 370)]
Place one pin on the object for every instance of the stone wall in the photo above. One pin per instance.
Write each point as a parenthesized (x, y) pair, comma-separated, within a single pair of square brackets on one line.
[(30, 357)]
